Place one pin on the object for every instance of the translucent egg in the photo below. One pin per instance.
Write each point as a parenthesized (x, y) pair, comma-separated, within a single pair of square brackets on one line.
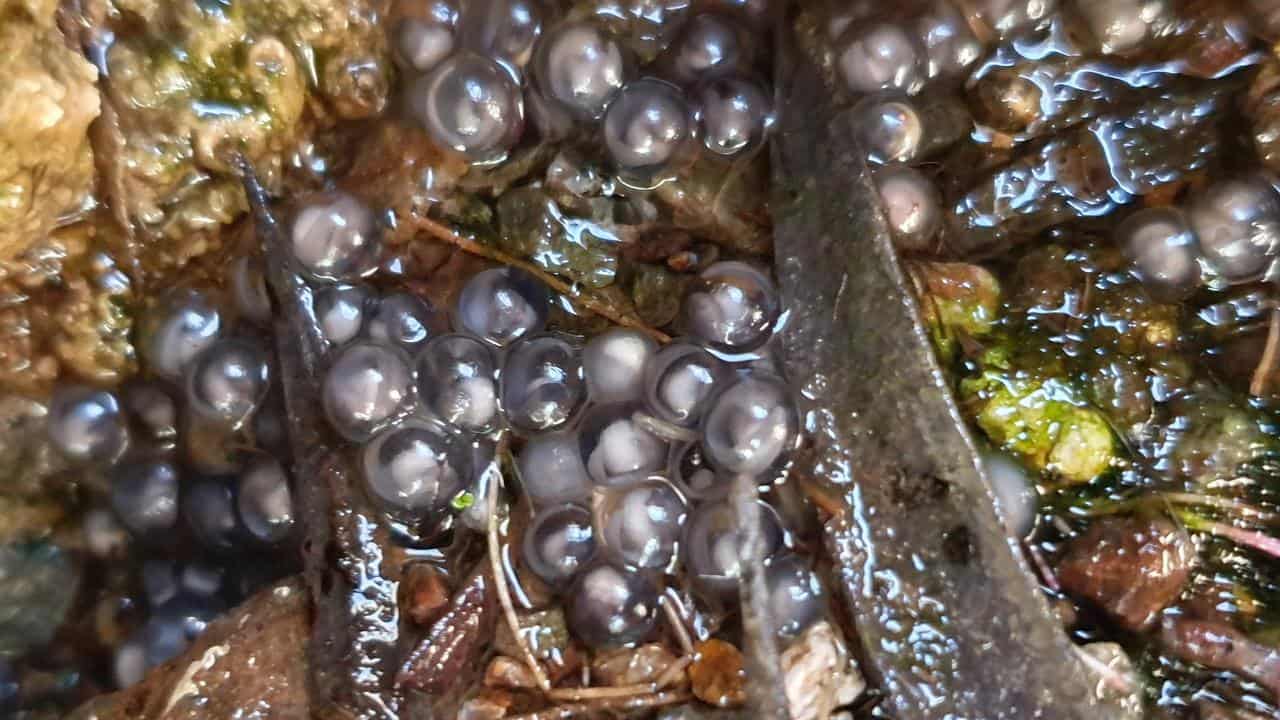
[(888, 128), (1015, 492), (249, 289), (176, 329), (103, 534), (641, 524), (144, 496), (1006, 16), (1163, 249), (502, 305), (616, 448), (469, 104), (581, 66), (335, 236), (366, 386), (86, 425), (414, 467), (732, 307), (552, 471), (695, 477), (950, 46), (542, 386), (1238, 224), (614, 364), (912, 206), (610, 606), (341, 311), (502, 29), (711, 546), (404, 320), (709, 44), (796, 596), (647, 125), (263, 500), (680, 380), (228, 381), (422, 44), (208, 507), (735, 114), (152, 408), (750, 425), (881, 56), (558, 543), (458, 383), (1122, 25), (129, 665)]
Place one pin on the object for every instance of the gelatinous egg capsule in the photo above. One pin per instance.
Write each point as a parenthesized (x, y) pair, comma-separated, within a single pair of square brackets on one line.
[(1015, 492), (734, 114), (647, 128), (502, 305), (708, 45), (341, 311), (614, 364), (950, 46), (888, 128), (152, 408), (86, 425), (711, 546), (414, 467), (732, 307), (796, 595), (1120, 26), (422, 43), (469, 104), (616, 447), (176, 329), (581, 67), (144, 496), (695, 477), (228, 381), (1164, 251), (680, 381), (263, 500), (558, 543), (457, 382), (750, 425), (335, 236), (103, 534), (552, 471), (542, 386), (209, 509), (367, 386), (1003, 17), (881, 56), (1237, 222), (912, 206), (404, 320), (505, 30), (610, 606), (640, 524), (249, 289)]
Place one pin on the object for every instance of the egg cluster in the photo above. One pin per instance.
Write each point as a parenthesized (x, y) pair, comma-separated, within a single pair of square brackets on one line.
[(481, 75), (625, 449), (187, 458)]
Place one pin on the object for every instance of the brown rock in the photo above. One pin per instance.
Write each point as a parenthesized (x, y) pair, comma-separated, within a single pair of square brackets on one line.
[(253, 658), (717, 675), (1130, 567)]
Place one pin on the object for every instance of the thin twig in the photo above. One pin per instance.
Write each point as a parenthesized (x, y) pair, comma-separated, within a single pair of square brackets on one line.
[(1262, 374), (561, 712), (665, 680), (504, 593), (585, 299), (677, 626)]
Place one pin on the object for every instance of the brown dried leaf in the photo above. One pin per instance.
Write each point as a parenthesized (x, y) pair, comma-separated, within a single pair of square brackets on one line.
[(454, 640), (717, 674), (423, 593), (504, 672), (632, 666)]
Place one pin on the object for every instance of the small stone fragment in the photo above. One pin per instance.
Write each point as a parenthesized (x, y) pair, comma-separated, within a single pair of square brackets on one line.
[(819, 675), (423, 593), (717, 675)]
